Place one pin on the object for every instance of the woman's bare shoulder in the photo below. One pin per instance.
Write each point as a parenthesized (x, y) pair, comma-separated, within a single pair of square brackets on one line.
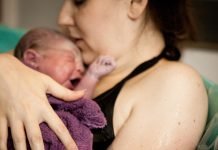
[(174, 82), (182, 75), (179, 77), (168, 75), (171, 73), (174, 93)]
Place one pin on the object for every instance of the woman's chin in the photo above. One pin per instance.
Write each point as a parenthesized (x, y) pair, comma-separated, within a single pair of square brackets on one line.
[(88, 58)]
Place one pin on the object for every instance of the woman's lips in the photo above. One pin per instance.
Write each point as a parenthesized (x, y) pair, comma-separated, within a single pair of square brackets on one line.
[(79, 43)]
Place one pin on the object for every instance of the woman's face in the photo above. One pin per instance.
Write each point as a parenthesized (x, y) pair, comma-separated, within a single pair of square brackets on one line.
[(96, 26)]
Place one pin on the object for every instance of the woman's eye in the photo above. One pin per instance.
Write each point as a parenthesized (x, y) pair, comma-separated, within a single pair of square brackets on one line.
[(78, 2)]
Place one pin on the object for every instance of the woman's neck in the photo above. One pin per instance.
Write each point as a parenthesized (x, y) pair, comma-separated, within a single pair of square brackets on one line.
[(149, 44)]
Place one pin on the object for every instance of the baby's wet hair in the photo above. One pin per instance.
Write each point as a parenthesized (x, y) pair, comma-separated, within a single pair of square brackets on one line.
[(37, 38)]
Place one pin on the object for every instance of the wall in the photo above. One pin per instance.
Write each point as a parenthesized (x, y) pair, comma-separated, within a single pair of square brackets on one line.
[(30, 13), (204, 60), (10, 13), (40, 12)]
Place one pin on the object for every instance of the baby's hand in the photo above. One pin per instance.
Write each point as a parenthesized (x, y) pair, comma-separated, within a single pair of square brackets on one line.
[(102, 66)]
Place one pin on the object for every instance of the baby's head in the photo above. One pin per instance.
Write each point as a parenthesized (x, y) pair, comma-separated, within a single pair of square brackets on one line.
[(51, 52)]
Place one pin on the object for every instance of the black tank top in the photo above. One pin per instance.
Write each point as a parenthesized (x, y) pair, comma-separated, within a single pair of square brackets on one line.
[(104, 137)]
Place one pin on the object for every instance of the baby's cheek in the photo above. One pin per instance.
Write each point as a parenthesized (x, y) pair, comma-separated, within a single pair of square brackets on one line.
[(62, 77), (58, 75), (66, 74)]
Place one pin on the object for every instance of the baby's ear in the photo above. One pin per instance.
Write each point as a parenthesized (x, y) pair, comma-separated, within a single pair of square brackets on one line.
[(136, 8), (31, 58)]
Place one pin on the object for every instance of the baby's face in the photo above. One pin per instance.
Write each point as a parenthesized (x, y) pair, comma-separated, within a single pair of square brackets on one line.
[(62, 64)]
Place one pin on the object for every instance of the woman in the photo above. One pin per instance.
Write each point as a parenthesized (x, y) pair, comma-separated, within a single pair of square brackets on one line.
[(151, 100)]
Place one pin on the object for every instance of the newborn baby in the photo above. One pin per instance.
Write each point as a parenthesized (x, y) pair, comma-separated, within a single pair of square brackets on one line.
[(50, 52)]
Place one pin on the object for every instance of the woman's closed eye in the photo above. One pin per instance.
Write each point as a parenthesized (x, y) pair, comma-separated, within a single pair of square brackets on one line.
[(79, 2)]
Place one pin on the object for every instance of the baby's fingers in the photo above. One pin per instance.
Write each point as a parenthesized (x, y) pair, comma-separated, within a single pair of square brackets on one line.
[(107, 61), (55, 123), (3, 133)]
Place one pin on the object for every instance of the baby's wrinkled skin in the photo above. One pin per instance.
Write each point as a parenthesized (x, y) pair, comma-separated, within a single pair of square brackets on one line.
[(63, 63)]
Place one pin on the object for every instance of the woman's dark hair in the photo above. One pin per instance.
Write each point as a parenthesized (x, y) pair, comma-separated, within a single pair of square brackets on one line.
[(174, 19)]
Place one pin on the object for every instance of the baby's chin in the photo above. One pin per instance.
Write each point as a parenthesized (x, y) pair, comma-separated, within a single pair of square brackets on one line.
[(69, 85), (72, 84)]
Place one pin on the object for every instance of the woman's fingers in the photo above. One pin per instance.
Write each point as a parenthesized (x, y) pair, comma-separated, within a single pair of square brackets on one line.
[(3, 133), (28, 98), (33, 133), (61, 92), (56, 125), (18, 134)]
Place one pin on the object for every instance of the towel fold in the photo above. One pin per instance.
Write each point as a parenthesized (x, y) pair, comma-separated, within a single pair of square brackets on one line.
[(79, 117)]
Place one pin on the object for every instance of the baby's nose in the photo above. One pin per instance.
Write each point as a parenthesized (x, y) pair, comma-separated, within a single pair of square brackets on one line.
[(80, 69)]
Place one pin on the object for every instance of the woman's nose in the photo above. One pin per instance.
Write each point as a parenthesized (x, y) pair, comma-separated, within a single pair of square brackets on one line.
[(66, 14)]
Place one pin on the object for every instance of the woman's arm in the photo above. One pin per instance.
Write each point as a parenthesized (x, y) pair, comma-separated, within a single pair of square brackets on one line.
[(168, 112), (23, 105)]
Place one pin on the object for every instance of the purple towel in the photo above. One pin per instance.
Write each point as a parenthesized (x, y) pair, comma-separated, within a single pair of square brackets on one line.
[(79, 117)]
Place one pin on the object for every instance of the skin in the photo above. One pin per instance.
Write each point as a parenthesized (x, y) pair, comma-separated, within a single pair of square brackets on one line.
[(62, 62), (170, 115), (46, 61), (18, 112), (175, 100)]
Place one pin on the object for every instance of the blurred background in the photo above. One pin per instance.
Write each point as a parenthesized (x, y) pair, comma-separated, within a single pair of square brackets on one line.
[(202, 54)]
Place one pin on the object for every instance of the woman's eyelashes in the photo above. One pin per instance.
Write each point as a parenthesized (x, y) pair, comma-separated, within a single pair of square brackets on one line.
[(79, 2)]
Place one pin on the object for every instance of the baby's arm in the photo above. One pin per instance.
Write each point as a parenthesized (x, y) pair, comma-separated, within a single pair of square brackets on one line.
[(100, 67)]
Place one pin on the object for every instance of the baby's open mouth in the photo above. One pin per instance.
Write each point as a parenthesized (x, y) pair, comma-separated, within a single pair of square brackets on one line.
[(75, 81)]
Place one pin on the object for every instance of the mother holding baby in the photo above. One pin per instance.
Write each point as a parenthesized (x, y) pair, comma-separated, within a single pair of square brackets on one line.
[(151, 100)]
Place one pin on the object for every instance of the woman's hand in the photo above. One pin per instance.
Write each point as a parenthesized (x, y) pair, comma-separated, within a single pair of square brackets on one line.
[(24, 105)]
